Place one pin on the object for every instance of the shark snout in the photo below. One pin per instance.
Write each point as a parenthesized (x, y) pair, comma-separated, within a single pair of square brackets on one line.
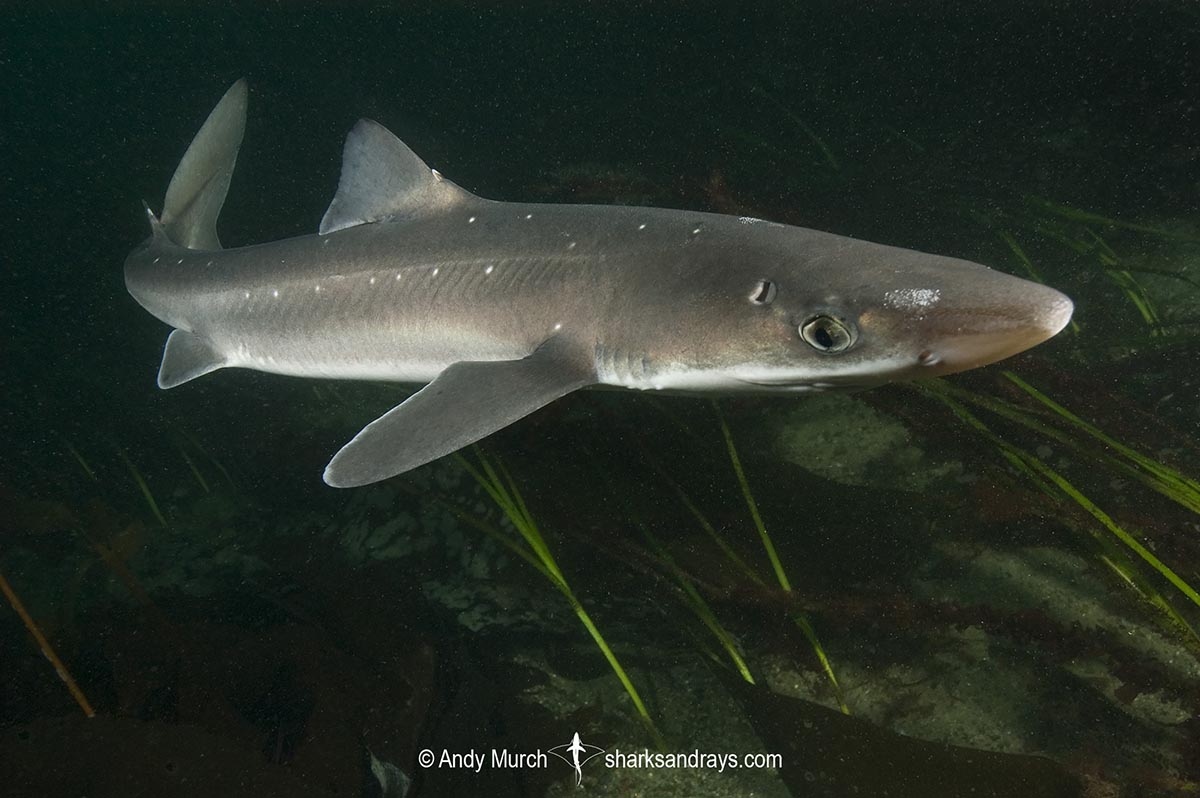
[(1055, 313), (995, 327)]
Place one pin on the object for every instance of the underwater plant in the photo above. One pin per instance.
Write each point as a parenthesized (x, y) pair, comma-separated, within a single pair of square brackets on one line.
[(799, 618), (1079, 436), (46, 648), (500, 487)]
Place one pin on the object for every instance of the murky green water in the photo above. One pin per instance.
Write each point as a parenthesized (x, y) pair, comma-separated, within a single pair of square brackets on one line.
[(983, 586)]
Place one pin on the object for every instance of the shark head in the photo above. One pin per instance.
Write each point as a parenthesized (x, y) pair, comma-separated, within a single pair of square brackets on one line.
[(799, 310)]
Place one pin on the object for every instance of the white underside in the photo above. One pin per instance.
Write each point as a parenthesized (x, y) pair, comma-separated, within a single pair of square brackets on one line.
[(752, 377), (412, 372)]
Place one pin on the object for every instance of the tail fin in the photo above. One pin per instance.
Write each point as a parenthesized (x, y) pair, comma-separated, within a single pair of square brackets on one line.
[(201, 180)]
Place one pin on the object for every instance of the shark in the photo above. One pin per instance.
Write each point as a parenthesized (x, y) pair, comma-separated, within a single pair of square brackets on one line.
[(500, 308)]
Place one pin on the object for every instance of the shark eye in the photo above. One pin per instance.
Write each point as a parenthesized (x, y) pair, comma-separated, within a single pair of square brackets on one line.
[(764, 292), (826, 334)]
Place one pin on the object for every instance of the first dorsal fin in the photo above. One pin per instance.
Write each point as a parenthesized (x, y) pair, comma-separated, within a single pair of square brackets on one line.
[(383, 180)]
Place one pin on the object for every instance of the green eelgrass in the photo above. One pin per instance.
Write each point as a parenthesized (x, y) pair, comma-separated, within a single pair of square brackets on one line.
[(1117, 271), (699, 606), (830, 159), (1171, 483), (904, 137), (87, 469), (1137, 295), (1132, 289), (1131, 578), (800, 619), (1049, 475), (691, 596), (1120, 273), (1087, 217), (195, 471), (703, 521), (1030, 270), (217, 464), (1154, 475), (504, 492), (768, 544), (1073, 229), (1174, 274), (755, 141), (143, 487)]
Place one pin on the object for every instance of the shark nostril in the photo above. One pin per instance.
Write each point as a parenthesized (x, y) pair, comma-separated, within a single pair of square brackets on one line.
[(928, 358)]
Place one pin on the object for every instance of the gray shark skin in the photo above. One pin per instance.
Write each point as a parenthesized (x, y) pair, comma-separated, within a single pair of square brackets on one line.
[(504, 307)]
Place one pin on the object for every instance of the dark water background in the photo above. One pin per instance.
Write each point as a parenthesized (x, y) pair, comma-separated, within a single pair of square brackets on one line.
[(937, 126)]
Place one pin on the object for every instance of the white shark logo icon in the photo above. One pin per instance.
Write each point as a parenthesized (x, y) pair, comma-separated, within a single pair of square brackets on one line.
[(576, 754)]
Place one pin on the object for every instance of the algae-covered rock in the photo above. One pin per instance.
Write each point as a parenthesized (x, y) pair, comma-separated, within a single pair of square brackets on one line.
[(845, 440)]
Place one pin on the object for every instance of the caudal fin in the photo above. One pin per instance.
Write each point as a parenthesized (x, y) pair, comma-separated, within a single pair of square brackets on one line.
[(201, 180)]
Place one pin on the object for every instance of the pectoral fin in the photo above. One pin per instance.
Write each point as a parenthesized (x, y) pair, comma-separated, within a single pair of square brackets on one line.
[(186, 357), (468, 401)]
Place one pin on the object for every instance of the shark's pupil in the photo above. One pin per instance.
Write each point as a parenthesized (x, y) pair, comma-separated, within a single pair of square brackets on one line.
[(826, 334)]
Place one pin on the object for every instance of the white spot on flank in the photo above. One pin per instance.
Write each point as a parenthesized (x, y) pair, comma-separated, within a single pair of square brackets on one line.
[(912, 298), (529, 216), (325, 242), (696, 231), (397, 275), (275, 293), (156, 260), (317, 288), (179, 261), (435, 271), (372, 281), (642, 226), (245, 294), (210, 263), (489, 269), (571, 245), (471, 220), (558, 326)]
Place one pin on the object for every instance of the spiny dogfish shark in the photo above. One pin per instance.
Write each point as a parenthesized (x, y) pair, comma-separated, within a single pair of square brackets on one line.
[(503, 307)]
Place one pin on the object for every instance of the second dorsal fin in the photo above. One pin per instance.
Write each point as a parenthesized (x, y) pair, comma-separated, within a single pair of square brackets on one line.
[(383, 180)]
